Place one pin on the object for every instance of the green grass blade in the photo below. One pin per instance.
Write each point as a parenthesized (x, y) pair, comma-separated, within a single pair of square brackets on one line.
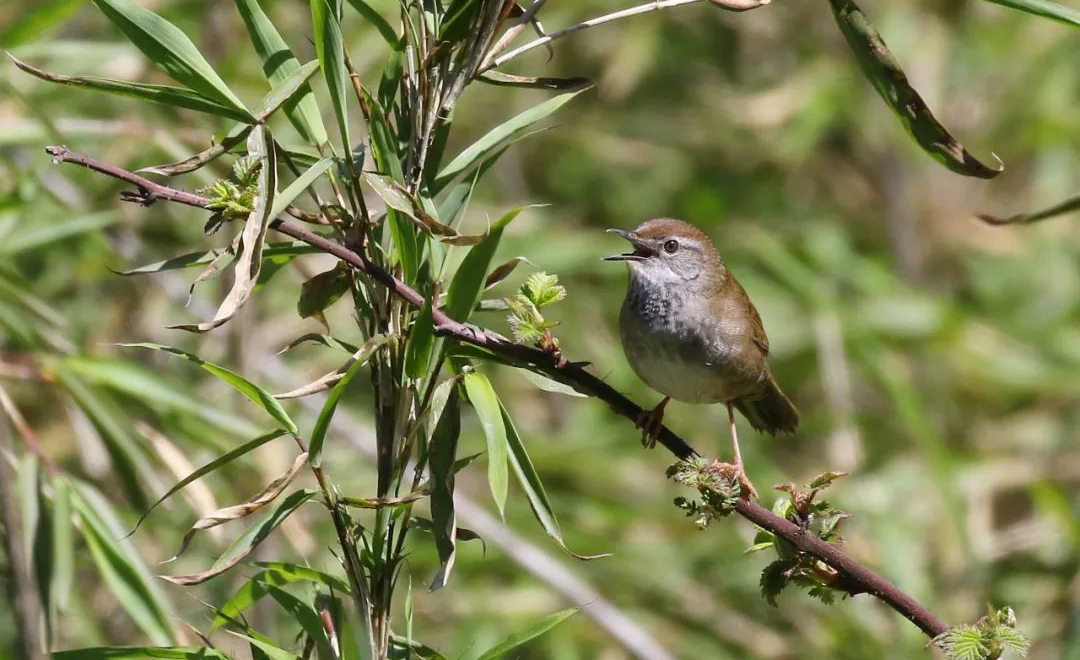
[(1044, 8), (380, 23), (322, 425), (535, 630), (246, 543), (176, 97), (297, 187), (287, 90), (220, 461), (120, 566), (278, 63), (141, 653), (418, 351), (486, 404), (443, 451), (497, 137), (884, 72), (250, 390), (325, 21), (468, 282), (171, 50)]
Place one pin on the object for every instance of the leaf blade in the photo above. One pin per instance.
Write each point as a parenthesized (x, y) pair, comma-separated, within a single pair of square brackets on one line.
[(486, 403)]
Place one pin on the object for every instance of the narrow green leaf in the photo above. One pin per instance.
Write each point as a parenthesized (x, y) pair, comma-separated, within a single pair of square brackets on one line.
[(884, 72), (443, 451), (1044, 8), (287, 90), (272, 651), (252, 391), (273, 573), (170, 50), (494, 77), (325, 340), (63, 546), (279, 63), (373, 17), (120, 566), (1067, 206), (323, 290), (246, 543), (322, 425), (141, 653), (499, 136), (177, 97), (535, 630), (325, 21), (233, 137), (285, 249), (418, 351), (302, 183), (34, 20), (306, 616), (529, 480), (469, 279), (129, 461), (548, 384), (486, 403), (218, 462)]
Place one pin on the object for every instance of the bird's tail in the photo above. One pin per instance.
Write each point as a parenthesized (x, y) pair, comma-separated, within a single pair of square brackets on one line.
[(770, 411)]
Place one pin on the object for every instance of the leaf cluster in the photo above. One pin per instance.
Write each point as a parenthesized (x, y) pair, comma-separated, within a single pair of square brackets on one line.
[(716, 482), (989, 638), (526, 321)]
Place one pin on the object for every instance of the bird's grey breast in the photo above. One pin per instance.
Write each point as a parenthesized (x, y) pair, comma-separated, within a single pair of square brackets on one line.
[(672, 344)]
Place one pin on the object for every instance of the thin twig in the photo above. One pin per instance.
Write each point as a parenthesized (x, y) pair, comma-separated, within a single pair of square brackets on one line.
[(859, 578), (732, 5)]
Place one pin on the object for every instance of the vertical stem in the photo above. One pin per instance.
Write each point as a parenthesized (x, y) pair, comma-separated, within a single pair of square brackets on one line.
[(23, 592)]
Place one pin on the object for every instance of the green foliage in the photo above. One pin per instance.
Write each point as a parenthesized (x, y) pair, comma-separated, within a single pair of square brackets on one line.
[(988, 639), (526, 321), (716, 482)]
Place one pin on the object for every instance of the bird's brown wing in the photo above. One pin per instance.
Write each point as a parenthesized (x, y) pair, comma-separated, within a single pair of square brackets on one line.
[(757, 328)]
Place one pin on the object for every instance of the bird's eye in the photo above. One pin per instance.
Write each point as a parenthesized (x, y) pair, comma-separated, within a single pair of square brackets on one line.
[(671, 246)]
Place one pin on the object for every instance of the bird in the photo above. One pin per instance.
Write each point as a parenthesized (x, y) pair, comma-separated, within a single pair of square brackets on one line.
[(690, 331)]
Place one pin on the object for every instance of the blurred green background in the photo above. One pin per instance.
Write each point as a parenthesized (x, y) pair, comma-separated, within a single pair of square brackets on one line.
[(935, 358)]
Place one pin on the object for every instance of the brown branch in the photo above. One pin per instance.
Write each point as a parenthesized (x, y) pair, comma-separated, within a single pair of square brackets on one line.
[(860, 578)]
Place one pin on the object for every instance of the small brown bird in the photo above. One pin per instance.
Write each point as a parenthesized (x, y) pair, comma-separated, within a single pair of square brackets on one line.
[(690, 331)]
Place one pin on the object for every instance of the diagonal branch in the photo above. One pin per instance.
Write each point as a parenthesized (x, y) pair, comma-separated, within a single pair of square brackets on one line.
[(861, 578)]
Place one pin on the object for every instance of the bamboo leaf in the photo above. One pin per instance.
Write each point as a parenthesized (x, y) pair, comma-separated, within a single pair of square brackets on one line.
[(36, 236), (278, 63), (120, 566), (273, 573), (498, 137), (322, 424), (193, 259), (241, 384), (271, 650), (373, 17), (267, 495), (443, 451), (469, 279), (325, 20), (486, 403), (235, 136), (323, 290), (418, 350), (306, 616), (1067, 206), (494, 77), (176, 97), (297, 187), (1044, 8), (141, 653), (248, 541), (529, 480), (287, 90), (325, 340), (170, 50), (548, 384), (884, 72), (218, 462), (249, 262), (63, 546), (535, 630)]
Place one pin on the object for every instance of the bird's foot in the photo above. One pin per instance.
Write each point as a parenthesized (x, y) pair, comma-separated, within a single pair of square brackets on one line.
[(650, 422), (748, 490)]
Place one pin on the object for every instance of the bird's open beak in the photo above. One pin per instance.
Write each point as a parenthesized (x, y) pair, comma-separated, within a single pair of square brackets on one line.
[(641, 252)]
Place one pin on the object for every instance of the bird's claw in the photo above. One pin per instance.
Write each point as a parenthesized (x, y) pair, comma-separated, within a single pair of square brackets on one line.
[(650, 422)]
